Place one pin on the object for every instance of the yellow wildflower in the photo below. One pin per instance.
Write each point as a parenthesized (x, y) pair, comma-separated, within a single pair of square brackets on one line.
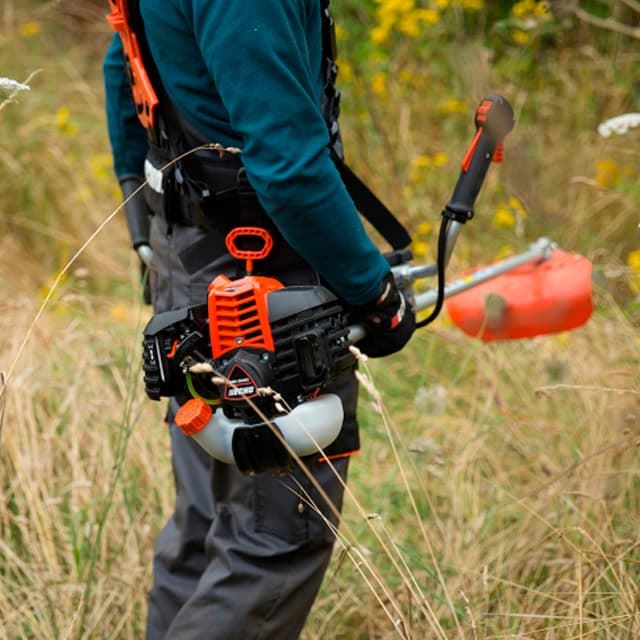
[(542, 10), (380, 34), (471, 5), (521, 37), (379, 83), (527, 9), (403, 16), (633, 262), (409, 26), (517, 207), (504, 218), (62, 116), (419, 248), (440, 159), (424, 229), (428, 17), (29, 29), (346, 72), (64, 123), (523, 9), (510, 214), (454, 105), (607, 173)]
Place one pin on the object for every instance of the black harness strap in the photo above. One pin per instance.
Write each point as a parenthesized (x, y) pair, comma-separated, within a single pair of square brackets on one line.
[(373, 209), (368, 204), (199, 255)]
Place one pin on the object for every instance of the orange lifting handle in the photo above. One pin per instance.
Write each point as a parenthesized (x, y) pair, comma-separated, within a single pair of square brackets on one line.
[(247, 255)]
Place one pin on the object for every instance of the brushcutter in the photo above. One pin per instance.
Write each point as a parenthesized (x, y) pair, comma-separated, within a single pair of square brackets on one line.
[(254, 360)]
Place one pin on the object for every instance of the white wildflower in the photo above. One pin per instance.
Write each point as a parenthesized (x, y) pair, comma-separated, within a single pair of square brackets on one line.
[(7, 84), (619, 124)]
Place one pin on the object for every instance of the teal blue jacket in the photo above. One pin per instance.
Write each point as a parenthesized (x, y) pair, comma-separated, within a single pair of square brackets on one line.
[(248, 73)]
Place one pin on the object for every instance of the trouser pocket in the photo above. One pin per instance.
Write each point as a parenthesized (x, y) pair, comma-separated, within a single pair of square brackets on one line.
[(291, 508)]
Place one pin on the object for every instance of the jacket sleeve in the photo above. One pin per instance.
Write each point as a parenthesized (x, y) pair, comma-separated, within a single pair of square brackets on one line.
[(128, 137), (258, 55)]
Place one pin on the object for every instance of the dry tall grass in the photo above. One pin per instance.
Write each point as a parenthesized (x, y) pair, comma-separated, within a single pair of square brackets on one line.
[(527, 486), (521, 458)]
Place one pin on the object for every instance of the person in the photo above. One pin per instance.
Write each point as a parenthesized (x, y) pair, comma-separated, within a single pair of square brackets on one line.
[(243, 556)]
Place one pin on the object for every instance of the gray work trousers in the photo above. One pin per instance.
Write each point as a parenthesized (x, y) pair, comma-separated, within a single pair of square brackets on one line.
[(241, 557)]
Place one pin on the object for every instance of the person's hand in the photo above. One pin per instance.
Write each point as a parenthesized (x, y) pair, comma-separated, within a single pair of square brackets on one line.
[(388, 319)]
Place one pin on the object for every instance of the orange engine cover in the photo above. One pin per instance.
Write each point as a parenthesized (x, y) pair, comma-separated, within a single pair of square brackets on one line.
[(535, 299), (238, 314)]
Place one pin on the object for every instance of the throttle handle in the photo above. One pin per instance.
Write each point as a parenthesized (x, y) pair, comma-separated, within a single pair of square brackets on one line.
[(494, 119)]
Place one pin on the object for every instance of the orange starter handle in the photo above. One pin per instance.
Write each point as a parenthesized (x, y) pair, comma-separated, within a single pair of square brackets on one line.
[(244, 254), (144, 95)]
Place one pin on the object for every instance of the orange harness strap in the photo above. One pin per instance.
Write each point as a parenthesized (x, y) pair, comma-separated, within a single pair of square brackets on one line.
[(144, 95)]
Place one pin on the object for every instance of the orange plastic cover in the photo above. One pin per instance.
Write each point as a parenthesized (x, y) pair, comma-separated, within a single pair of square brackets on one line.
[(238, 314), (535, 299)]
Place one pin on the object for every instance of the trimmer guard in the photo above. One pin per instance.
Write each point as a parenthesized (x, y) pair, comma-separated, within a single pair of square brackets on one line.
[(537, 298)]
